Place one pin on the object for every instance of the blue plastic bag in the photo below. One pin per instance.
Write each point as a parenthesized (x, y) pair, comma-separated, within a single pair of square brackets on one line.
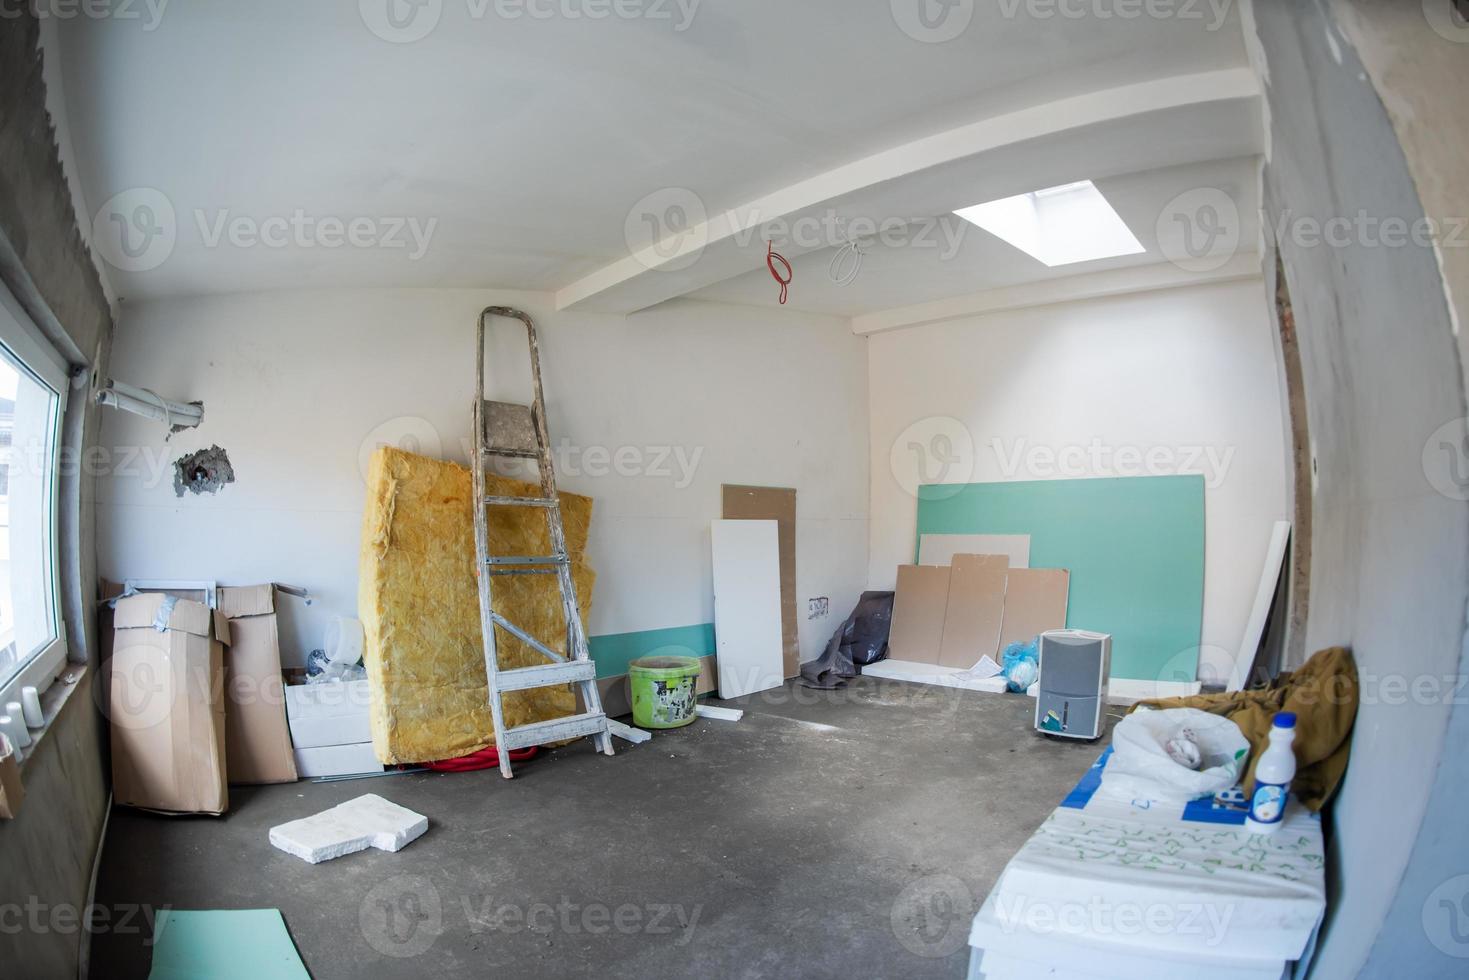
[(1020, 666)]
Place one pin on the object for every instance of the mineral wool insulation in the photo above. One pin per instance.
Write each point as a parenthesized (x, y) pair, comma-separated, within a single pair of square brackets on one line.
[(418, 601)]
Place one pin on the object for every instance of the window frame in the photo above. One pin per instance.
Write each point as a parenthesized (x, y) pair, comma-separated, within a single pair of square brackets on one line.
[(26, 343)]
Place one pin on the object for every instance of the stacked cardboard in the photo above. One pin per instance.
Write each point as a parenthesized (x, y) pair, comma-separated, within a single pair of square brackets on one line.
[(950, 616)]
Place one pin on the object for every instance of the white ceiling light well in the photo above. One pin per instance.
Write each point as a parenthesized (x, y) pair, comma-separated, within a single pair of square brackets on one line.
[(1058, 225)]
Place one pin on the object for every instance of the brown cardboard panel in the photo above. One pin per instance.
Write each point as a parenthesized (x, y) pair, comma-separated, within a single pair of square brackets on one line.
[(918, 613), (167, 710), (976, 609), (1035, 601), (777, 504), (246, 600), (258, 743)]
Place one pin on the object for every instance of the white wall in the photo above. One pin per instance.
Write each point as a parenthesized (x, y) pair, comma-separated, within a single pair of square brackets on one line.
[(296, 384), (1173, 381)]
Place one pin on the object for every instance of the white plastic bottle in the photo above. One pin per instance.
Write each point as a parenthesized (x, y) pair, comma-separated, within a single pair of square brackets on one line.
[(1273, 773)]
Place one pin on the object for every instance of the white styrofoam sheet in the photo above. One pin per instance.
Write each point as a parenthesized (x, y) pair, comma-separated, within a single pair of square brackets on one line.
[(360, 823), (747, 628), (940, 549), (337, 760), (331, 713), (921, 673), (1216, 888)]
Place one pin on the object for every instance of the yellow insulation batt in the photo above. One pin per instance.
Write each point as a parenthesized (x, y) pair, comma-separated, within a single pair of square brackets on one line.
[(419, 605)]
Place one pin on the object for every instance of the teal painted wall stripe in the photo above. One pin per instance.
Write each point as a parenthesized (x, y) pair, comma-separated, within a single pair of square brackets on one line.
[(612, 652), (1134, 546)]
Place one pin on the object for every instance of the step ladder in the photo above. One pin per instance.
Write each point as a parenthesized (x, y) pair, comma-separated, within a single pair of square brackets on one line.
[(519, 432)]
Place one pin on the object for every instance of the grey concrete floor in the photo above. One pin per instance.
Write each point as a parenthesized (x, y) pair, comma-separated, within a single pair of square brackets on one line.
[(829, 834)]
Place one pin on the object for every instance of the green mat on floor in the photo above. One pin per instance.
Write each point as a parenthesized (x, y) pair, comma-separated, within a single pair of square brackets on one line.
[(224, 944)]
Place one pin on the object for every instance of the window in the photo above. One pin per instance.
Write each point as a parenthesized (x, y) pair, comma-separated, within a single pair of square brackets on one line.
[(32, 398), (1058, 225)]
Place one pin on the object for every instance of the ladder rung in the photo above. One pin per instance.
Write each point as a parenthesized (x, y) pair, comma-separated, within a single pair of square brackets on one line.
[(512, 453), (545, 675), (555, 730), (500, 570), (527, 560), (520, 501)]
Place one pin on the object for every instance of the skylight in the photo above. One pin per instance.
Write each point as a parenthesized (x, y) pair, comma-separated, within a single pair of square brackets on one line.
[(1058, 225)]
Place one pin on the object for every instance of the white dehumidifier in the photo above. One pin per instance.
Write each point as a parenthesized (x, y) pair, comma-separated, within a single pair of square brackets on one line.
[(1073, 683)]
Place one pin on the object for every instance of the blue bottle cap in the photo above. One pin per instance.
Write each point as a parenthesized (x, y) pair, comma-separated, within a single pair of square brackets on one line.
[(1285, 719)]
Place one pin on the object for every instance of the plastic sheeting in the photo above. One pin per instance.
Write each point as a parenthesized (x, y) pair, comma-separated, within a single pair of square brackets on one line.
[(419, 605)]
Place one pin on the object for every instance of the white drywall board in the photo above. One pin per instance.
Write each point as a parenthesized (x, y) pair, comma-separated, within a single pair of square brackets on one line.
[(747, 606), (940, 549), (1186, 374), (1255, 627), (297, 384)]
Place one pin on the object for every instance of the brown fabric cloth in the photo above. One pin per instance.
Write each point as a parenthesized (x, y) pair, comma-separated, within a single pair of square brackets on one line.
[(1323, 694)]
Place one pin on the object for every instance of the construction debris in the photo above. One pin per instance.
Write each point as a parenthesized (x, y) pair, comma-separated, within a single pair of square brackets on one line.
[(367, 821)]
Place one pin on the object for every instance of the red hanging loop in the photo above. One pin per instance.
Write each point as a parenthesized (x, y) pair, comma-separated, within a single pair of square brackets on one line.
[(772, 257)]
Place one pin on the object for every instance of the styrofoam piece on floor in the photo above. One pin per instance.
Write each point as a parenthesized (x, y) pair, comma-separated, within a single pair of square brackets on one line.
[(367, 821), (921, 673), (337, 760), (718, 713), (628, 733)]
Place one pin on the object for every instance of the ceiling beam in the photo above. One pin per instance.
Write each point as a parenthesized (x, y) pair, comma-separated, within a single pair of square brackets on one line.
[(716, 248)]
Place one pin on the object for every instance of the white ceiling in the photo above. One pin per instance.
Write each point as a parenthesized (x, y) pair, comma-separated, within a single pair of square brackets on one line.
[(527, 141), (915, 272)]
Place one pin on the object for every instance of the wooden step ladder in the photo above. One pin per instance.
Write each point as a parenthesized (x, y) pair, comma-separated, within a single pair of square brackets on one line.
[(519, 432)]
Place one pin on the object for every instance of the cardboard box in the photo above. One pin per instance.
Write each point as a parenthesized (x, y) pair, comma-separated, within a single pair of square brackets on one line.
[(332, 713), (167, 705), (259, 748), (337, 760)]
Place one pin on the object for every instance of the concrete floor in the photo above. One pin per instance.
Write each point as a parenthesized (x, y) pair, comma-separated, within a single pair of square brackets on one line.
[(828, 834)]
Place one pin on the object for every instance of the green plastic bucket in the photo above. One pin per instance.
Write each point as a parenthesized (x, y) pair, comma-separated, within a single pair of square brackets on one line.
[(663, 691)]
